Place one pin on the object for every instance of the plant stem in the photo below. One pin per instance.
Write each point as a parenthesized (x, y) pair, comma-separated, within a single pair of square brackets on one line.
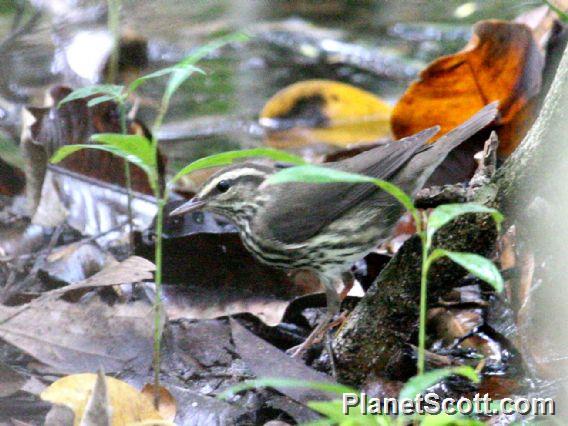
[(423, 303), (158, 296), (128, 177), (114, 28)]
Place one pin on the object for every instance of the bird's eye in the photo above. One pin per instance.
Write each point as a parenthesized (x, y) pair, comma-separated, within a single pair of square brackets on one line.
[(223, 186)]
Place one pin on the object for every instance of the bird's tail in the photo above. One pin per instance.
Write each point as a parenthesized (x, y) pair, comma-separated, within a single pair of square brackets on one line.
[(466, 130), (434, 154)]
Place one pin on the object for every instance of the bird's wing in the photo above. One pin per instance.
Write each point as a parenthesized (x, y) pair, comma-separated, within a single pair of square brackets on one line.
[(298, 211)]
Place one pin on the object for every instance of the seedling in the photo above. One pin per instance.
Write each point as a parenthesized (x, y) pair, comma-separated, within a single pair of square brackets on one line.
[(142, 152)]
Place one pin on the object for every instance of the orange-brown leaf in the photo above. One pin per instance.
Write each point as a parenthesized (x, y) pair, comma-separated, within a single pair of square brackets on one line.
[(502, 62)]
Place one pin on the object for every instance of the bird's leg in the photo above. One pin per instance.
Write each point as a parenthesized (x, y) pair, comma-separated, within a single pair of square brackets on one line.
[(333, 305), (348, 281)]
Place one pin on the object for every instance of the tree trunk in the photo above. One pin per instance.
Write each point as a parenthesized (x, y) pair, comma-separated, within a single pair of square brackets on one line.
[(384, 323)]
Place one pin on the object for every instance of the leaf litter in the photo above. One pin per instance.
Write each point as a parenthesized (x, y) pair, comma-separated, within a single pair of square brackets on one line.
[(202, 357)]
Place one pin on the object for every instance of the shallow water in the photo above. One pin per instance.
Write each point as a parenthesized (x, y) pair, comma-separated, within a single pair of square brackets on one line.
[(215, 112)]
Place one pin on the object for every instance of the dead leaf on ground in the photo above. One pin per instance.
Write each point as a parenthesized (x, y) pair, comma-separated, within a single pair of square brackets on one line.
[(265, 360), (502, 62), (127, 405), (97, 411), (91, 207), (75, 338), (167, 406), (324, 111), (73, 263), (132, 270), (12, 180), (21, 237), (11, 380)]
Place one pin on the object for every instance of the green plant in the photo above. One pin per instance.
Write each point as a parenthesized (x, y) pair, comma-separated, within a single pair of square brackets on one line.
[(334, 412), (473, 263), (140, 151), (476, 265)]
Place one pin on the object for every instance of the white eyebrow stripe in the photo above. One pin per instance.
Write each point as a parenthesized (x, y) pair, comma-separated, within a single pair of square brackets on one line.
[(232, 174)]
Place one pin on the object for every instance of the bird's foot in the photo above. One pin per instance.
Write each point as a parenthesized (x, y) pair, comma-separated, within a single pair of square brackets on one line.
[(318, 334)]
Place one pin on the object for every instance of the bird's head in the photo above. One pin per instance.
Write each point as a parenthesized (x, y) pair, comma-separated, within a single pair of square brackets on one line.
[(229, 191)]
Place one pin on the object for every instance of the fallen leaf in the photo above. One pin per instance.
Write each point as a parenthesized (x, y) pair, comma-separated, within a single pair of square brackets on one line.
[(89, 206), (11, 380), (264, 360), (127, 405), (97, 410), (502, 62), (75, 338), (21, 237), (73, 263), (167, 406), (132, 270), (324, 111)]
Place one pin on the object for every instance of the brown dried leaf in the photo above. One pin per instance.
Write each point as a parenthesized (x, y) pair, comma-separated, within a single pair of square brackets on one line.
[(72, 338), (502, 62)]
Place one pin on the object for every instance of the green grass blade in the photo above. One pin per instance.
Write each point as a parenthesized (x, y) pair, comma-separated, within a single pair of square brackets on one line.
[(226, 158), (112, 90), (190, 69), (419, 384)]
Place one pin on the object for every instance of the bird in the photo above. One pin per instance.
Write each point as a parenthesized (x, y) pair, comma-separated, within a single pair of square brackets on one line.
[(326, 227)]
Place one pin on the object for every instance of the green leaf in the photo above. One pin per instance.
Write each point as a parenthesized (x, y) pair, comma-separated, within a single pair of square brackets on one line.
[(165, 71), (419, 384), (112, 90), (319, 174), (475, 264), (286, 383), (447, 212), (100, 100), (333, 410), (10, 153), (444, 419), (67, 150), (228, 157), (134, 145)]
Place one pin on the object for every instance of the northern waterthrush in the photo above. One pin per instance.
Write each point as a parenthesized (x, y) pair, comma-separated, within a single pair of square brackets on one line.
[(327, 227)]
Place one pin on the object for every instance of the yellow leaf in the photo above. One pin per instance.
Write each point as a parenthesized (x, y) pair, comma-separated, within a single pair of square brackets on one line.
[(324, 111), (127, 405)]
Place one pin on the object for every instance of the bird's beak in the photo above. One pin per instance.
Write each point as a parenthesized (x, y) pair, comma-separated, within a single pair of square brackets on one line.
[(192, 205)]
